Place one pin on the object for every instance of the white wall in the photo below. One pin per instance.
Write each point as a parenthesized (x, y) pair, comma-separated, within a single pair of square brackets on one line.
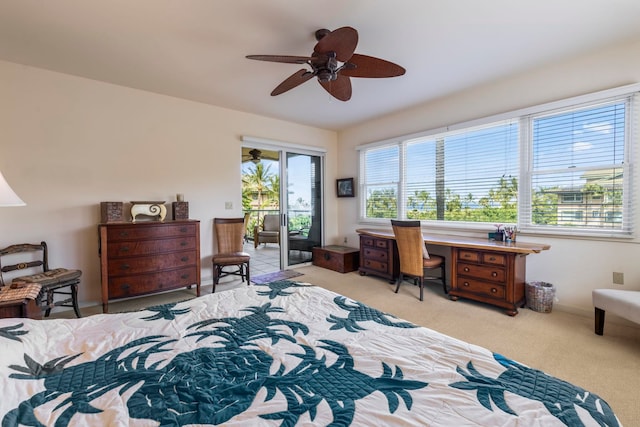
[(575, 266), (68, 143)]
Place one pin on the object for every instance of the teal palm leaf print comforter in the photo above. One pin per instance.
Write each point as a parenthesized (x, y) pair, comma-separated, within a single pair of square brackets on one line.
[(279, 354)]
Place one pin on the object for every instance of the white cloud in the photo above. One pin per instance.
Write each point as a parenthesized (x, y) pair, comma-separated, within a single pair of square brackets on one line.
[(581, 146), (603, 127)]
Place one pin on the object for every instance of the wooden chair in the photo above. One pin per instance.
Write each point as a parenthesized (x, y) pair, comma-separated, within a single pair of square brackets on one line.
[(270, 232), (34, 259), (230, 235), (415, 261)]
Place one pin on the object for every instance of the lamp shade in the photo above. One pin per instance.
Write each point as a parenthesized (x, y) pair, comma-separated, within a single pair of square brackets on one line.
[(7, 196)]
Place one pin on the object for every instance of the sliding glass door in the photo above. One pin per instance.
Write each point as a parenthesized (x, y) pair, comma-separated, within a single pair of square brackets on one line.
[(303, 206), (282, 187)]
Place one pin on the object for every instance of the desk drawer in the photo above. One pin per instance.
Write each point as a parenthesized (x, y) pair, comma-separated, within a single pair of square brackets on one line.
[(471, 256), (376, 255), (381, 267), (494, 258), (492, 290), (481, 272)]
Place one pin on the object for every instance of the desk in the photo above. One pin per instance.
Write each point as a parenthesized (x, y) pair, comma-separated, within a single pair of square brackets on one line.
[(481, 270)]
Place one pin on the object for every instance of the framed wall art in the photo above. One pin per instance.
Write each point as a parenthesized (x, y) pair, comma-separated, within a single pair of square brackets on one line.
[(345, 187)]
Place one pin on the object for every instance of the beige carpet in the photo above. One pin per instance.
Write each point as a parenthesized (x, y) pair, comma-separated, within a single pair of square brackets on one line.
[(559, 343)]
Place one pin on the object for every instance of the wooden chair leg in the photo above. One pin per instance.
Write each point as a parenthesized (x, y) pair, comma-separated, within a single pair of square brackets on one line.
[(248, 276), (599, 321), (216, 277), (444, 277), (74, 300), (49, 302), (421, 280), (398, 281)]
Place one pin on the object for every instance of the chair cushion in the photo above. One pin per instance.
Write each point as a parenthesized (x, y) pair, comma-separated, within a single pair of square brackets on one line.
[(432, 262), (231, 258), (621, 303), (51, 277), (273, 234)]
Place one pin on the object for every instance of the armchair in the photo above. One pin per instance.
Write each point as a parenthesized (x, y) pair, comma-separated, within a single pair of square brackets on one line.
[(270, 232)]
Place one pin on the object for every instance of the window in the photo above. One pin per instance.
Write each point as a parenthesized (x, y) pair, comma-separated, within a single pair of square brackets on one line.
[(561, 169)]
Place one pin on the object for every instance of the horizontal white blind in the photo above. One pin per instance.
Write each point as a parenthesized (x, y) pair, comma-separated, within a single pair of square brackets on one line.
[(468, 175), (578, 168), (380, 169)]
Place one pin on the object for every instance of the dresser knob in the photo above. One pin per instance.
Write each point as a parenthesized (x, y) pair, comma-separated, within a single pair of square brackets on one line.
[(124, 233), (125, 286), (183, 229), (183, 243), (124, 249), (466, 269), (184, 276), (492, 258), (184, 259), (494, 290), (494, 274), (465, 284), (124, 267)]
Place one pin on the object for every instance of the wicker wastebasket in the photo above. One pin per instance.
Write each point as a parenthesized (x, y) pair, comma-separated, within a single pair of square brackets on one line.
[(540, 296)]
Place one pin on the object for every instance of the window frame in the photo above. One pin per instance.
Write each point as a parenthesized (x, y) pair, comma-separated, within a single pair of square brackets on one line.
[(525, 118)]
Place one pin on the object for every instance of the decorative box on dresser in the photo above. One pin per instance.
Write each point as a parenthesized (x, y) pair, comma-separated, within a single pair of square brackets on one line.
[(379, 257), (147, 257), (496, 278)]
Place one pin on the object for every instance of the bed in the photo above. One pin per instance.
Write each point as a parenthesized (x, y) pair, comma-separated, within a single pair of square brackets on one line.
[(279, 354)]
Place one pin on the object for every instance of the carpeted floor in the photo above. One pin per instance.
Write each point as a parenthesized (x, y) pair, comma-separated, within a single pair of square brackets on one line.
[(560, 343)]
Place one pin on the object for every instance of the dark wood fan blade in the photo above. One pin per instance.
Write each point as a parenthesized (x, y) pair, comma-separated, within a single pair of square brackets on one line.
[(368, 66), (292, 81), (339, 88), (342, 41), (281, 58)]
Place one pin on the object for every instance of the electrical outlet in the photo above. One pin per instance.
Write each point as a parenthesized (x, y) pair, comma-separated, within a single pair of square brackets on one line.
[(228, 205), (345, 240), (618, 278)]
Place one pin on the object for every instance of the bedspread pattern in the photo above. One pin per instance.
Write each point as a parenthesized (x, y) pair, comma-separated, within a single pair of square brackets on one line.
[(283, 353)]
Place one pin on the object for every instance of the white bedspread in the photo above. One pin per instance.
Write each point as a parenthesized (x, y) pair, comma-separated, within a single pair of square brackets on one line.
[(283, 353)]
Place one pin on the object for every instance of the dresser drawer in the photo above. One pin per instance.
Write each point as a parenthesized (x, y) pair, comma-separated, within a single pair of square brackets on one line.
[(149, 247), (376, 255), (133, 265), (140, 284), (492, 290), (381, 267), (129, 232), (481, 272), (471, 256)]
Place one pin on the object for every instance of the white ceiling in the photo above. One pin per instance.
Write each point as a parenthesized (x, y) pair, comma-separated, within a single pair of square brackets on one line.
[(195, 49)]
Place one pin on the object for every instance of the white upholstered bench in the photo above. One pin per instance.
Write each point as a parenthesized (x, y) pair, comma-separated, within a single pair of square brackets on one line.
[(625, 304)]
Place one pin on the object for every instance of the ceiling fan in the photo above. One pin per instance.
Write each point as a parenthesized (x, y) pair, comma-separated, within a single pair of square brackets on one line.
[(254, 156), (333, 61)]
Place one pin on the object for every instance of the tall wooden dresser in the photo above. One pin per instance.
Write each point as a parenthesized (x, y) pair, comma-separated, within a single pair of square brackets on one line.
[(147, 257)]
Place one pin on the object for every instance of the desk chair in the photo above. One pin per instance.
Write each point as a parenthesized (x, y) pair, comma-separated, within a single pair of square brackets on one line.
[(34, 259), (415, 261), (229, 236)]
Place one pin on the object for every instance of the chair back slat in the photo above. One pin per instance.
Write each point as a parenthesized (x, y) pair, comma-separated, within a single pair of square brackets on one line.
[(409, 239), (20, 257), (229, 234)]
